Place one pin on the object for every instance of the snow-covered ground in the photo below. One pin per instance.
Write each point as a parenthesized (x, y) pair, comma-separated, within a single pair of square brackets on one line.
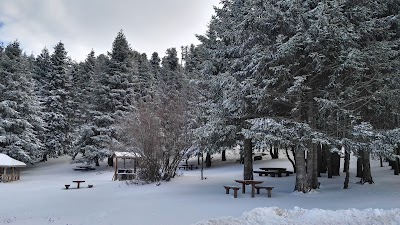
[(40, 198)]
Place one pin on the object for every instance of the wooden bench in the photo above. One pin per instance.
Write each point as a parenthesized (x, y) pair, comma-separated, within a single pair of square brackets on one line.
[(187, 167), (260, 173), (67, 186), (234, 188), (288, 173), (270, 172), (269, 190)]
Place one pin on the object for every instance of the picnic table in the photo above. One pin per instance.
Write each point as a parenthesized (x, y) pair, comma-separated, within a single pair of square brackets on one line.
[(187, 167), (273, 171), (78, 182), (84, 168), (272, 168), (249, 182), (125, 174)]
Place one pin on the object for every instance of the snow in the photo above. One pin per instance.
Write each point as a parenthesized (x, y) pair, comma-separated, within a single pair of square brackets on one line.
[(7, 161), (40, 198)]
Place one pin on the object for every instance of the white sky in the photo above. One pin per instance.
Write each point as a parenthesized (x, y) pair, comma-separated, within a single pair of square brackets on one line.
[(149, 25)]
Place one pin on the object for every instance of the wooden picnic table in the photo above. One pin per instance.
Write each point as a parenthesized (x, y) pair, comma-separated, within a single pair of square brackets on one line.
[(273, 171), (125, 174), (272, 168), (84, 168), (249, 182), (187, 167), (78, 182)]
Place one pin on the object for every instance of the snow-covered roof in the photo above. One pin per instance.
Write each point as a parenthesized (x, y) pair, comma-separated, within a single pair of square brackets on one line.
[(7, 161), (127, 155)]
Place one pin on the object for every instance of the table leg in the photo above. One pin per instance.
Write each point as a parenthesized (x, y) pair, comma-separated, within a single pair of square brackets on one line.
[(78, 184), (253, 190), (243, 188)]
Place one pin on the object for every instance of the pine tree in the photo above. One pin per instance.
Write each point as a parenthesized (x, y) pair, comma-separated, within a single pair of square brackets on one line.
[(58, 107), (114, 94), (302, 62), (20, 121)]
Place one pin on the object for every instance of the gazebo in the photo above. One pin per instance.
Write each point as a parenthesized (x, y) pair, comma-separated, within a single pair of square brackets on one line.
[(9, 168), (127, 170)]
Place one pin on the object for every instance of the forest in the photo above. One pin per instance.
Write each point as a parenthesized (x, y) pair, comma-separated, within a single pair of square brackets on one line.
[(319, 79)]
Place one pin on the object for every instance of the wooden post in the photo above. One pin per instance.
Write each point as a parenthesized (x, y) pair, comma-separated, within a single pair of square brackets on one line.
[(115, 168), (5, 177)]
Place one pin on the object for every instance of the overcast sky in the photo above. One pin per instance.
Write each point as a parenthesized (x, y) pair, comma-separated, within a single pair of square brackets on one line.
[(149, 25)]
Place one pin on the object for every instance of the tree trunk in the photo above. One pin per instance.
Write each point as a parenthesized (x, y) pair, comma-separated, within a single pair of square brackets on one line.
[(208, 160), (346, 168), (366, 173), (323, 168), (248, 160), (110, 161), (45, 157), (359, 164), (276, 151), (390, 163), (290, 159), (396, 163), (223, 156), (97, 161), (335, 164), (273, 151), (312, 161), (301, 176), (328, 160), (395, 168), (319, 157)]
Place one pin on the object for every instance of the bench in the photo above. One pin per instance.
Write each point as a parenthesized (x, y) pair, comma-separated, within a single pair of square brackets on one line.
[(187, 167), (269, 190), (270, 172), (90, 185), (234, 188), (288, 173), (67, 186)]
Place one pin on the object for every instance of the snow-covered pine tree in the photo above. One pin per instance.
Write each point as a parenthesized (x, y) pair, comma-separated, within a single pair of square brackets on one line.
[(285, 59), (114, 93), (145, 87), (83, 77), (57, 105), (20, 121)]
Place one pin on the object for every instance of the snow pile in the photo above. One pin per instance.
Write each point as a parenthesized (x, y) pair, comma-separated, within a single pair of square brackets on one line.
[(277, 216)]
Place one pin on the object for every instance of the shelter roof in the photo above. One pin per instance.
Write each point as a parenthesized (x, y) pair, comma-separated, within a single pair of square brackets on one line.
[(7, 161), (126, 155)]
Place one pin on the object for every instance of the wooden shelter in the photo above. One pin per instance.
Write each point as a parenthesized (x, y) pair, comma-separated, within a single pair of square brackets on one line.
[(125, 170), (9, 168)]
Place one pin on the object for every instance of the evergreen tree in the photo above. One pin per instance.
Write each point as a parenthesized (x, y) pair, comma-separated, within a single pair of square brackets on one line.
[(114, 94), (58, 107), (145, 79), (170, 61), (155, 60), (20, 121), (302, 62)]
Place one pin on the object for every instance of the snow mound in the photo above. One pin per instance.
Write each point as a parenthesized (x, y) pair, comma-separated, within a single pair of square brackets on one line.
[(275, 216)]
